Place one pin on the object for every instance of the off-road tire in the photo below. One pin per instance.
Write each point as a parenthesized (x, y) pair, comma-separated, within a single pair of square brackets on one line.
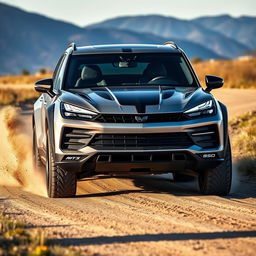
[(178, 177), (217, 181), (60, 183)]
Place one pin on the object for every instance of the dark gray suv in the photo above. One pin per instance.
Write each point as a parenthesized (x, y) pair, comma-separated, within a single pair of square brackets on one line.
[(130, 109)]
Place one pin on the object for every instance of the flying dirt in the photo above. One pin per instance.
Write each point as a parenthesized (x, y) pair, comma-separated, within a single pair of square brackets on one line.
[(138, 215), (16, 166)]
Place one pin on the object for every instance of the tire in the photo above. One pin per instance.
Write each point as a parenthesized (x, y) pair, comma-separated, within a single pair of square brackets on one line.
[(60, 183), (36, 157), (217, 181), (177, 177)]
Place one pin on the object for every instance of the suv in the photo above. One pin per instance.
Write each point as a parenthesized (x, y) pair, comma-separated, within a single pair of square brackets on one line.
[(130, 109)]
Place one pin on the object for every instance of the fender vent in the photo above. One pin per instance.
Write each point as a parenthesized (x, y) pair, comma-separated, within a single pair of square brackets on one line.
[(205, 136)]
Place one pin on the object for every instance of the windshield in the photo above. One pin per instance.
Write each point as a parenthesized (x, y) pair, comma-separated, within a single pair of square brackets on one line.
[(128, 69)]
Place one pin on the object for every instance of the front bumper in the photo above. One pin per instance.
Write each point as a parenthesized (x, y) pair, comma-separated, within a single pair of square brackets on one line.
[(136, 163), (86, 158)]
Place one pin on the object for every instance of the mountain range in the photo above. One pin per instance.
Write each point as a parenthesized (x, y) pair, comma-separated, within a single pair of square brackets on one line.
[(33, 41)]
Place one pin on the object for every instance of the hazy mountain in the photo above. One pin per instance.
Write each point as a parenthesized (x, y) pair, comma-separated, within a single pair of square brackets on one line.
[(181, 29), (32, 41), (242, 29), (110, 35)]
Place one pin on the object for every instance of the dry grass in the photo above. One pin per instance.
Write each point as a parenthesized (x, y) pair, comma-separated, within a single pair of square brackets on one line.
[(16, 239), (243, 138), (236, 73), (16, 96), (22, 79), (15, 90)]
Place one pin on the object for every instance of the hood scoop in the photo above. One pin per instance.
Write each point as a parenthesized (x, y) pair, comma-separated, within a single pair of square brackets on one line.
[(105, 95), (86, 97), (138, 98), (188, 94), (166, 94)]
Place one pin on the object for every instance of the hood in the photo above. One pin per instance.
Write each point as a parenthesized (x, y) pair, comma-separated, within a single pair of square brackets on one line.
[(134, 100)]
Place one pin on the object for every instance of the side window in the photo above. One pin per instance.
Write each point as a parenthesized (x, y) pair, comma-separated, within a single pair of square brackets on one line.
[(60, 73), (56, 78), (57, 67)]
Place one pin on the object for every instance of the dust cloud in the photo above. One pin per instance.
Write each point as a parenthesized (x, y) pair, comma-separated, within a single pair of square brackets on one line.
[(16, 162)]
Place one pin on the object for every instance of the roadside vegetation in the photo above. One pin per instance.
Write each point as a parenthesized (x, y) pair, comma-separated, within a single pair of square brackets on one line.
[(17, 96), (236, 73), (24, 79), (17, 239), (243, 139), (16, 90)]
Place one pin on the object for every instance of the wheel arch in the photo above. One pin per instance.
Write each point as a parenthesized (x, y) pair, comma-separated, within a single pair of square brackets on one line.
[(49, 125), (225, 123)]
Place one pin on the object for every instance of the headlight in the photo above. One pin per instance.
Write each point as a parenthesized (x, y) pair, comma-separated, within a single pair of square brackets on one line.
[(206, 108), (70, 111)]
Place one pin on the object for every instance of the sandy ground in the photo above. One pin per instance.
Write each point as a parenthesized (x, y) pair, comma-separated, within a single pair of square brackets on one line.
[(145, 215)]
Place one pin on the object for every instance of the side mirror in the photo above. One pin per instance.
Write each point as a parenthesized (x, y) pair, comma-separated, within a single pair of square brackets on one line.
[(44, 85), (213, 82)]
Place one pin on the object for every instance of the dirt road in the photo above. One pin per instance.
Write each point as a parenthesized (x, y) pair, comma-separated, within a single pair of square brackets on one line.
[(146, 215), (238, 101)]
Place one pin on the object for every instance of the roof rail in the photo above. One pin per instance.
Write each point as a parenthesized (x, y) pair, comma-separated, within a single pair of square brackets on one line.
[(73, 45), (172, 44)]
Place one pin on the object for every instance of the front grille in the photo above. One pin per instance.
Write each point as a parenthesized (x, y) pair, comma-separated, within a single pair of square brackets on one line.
[(205, 136), (150, 118), (75, 139), (141, 141)]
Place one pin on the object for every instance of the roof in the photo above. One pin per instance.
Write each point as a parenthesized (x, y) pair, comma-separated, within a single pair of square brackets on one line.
[(126, 48)]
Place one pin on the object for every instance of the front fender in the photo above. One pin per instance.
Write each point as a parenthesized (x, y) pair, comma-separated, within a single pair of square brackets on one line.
[(225, 123), (50, 124)]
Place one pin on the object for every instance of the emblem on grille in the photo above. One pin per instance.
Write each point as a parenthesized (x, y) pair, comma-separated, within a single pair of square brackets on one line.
[(141, 119)]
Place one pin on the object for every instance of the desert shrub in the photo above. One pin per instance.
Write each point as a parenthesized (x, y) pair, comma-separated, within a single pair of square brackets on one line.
[(16, 239), (42, 71), (25, 72), (243, 139), (196, 60)]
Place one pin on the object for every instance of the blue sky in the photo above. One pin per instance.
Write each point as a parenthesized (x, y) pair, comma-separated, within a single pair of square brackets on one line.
[(84, 12)]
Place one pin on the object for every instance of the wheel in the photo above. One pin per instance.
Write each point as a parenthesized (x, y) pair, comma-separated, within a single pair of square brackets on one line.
[(182, 177), (60, 183), (217, 181), (36, 158)]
